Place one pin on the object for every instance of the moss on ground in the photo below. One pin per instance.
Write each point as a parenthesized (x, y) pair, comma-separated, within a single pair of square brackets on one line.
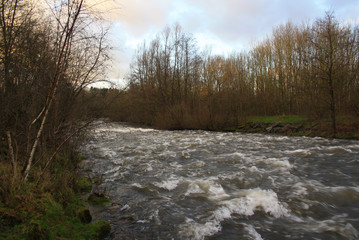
[(84, 184), (53, 221), (99, 229), (53, 209), (347, 126), (98, 199), (277, 119)]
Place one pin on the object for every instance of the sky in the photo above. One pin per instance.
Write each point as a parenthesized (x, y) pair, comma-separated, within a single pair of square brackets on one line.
[(224, 26)]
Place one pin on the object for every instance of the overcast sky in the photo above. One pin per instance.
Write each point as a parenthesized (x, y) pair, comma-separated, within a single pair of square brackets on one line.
[(224, 25)]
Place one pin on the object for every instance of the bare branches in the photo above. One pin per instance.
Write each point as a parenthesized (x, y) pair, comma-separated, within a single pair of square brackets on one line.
[(65, 47), (42, 63), (59, 148), (308, 69)]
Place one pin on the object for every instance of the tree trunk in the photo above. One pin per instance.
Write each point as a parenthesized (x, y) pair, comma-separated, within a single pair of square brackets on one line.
[(12, 156)]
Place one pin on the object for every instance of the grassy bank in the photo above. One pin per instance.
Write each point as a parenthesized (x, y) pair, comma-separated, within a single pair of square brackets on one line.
[(50, 209), (347, 126), (277, 119)]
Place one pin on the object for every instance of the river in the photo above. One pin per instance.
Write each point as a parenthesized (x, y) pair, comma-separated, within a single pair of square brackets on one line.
[(216, 185)]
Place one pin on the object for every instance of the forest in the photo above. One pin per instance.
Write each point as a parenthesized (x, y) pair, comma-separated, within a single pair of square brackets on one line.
[(308, 70)]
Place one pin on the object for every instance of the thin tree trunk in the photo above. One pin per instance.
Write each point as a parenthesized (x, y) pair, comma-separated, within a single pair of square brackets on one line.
[(332, 111), (39, 132), (12, 156), (61, 61), (58, 149)]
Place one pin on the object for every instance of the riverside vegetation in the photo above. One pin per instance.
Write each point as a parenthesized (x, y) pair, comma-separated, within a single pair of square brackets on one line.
[(48, 55), (53, 210)]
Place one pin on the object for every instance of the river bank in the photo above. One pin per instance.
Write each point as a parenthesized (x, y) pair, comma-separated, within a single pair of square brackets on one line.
[(347, 127), (57, 208), (309, 129)]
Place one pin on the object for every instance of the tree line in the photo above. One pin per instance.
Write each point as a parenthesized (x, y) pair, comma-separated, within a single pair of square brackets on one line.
[(308, 69), (48, 55)]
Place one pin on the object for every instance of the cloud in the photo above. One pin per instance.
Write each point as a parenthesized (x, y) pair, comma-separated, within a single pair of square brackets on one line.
[(141, 15), (225, 24), (107, 9), (232, 21), (242, 20), (347, 10)]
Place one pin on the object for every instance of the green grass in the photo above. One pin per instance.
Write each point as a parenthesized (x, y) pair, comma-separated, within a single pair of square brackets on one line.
[(277, 119), (54, 221), (98, 199), (84, 184), (54, 209), (347, 126), (347, 119)]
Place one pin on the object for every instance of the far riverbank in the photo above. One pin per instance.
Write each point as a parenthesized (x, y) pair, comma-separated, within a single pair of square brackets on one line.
[(347, 127)]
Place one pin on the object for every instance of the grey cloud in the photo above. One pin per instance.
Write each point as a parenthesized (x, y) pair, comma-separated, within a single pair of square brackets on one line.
[(243, 20), (141, 15), (233, 22)]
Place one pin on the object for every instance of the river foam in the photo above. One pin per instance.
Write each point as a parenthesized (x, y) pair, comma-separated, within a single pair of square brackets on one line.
[(246, 203)]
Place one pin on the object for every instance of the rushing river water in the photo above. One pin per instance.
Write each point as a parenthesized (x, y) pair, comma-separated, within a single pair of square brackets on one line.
[(213, 185)]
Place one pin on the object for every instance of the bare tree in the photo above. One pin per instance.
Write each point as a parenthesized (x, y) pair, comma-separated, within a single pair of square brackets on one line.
[(46, 60), (330, 42), (80, 56)]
